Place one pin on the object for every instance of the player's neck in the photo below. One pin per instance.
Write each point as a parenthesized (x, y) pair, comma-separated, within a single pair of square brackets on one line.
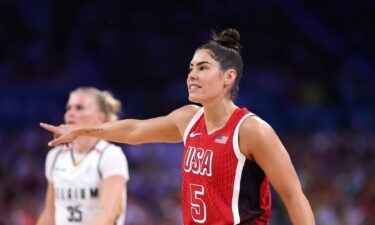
[(217, 115), (84, 144)]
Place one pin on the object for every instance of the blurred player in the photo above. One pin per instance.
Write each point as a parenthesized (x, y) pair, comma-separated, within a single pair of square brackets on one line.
[(87, 178)]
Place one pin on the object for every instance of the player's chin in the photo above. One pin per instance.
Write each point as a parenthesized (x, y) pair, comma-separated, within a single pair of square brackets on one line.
[(194, 99)]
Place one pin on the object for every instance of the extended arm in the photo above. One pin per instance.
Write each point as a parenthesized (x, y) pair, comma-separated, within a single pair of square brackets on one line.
[(48, 214), (259, 142), (168, 128)]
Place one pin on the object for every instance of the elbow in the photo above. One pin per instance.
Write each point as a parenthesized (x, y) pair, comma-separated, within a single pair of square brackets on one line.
[(292, 195), (132, 141), (132, 136)]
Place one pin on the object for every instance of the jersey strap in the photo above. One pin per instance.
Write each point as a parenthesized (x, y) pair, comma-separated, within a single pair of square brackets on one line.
[(241, 162), (61, 148), (100, 159), (195, 118)]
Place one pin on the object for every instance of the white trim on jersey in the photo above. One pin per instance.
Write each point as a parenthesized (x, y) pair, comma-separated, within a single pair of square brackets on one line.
[(193, 120), (51, 164), (241, 162)]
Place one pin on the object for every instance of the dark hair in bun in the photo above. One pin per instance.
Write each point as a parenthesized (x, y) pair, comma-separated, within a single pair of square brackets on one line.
[(225, 49), (229, 38)]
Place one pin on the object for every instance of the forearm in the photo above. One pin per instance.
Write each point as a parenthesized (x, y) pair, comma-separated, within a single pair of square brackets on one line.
[(299, 210), (116, 131), (130, 131)]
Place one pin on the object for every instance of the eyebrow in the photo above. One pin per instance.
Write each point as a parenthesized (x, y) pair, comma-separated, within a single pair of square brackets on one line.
[(70, 105), (200, 63)]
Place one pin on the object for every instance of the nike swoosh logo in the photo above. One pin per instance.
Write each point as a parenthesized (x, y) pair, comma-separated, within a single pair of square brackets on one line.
[(194, 134)]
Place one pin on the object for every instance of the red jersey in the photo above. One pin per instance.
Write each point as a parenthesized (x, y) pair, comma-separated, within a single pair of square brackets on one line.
[(219, 185)]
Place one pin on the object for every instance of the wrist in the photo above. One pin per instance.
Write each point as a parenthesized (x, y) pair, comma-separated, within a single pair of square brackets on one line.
[(88, 131)]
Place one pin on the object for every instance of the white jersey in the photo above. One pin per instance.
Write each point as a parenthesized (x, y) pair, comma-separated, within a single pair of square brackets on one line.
[(78, 185)]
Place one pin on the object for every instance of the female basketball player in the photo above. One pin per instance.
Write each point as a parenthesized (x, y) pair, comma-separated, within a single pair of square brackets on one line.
[(87, 178), (230, 154)]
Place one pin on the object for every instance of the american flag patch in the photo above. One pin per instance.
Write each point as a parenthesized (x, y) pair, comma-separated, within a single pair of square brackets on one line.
[(221, 139)]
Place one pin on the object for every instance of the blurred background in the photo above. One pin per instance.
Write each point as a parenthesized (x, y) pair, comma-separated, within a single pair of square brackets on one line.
[(309, 71)]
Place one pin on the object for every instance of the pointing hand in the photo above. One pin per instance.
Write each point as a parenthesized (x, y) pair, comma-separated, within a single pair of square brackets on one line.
[(63, 134)]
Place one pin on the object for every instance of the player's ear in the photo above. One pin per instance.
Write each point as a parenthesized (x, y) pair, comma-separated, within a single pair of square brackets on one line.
[(229, 77)]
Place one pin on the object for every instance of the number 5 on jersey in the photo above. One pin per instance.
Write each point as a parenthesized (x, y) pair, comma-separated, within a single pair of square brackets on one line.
[(198, 207)]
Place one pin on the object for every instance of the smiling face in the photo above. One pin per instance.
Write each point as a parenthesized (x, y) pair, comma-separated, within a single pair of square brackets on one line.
[(206, 80), (82, 108)]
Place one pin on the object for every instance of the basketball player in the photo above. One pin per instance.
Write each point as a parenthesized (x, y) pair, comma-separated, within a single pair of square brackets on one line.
[(87, 178), (230, 154)]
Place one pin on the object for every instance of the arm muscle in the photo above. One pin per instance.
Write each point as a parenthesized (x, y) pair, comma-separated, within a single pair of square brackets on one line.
[(259, 142)]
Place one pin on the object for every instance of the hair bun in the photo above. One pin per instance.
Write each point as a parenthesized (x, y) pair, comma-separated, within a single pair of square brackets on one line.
[(229, 38)]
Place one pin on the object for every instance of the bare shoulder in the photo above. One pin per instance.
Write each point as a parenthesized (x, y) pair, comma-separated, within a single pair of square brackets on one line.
[(185, 112), (254, 133), (254, 125), (183, 115)]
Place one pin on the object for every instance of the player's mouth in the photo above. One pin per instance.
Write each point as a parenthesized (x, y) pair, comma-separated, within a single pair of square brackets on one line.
[(193, 87)]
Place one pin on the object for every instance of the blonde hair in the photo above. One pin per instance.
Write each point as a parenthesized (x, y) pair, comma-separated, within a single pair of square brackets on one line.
[(107, 104)]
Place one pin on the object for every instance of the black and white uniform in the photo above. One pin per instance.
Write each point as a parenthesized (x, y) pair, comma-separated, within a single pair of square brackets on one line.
[(77, 181)]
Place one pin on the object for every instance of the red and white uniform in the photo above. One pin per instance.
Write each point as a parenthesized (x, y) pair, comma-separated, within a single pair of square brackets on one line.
[(219, 185)]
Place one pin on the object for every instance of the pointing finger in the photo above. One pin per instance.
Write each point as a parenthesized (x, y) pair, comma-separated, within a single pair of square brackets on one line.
[(48, 127)]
